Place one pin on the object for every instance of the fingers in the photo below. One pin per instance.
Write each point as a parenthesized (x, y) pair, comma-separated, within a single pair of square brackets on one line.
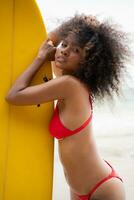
[(49, 41)]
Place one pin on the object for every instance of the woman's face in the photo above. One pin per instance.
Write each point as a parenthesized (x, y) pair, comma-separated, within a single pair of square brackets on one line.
[(68, 54)]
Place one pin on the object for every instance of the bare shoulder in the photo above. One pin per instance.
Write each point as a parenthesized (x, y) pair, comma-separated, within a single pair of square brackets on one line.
[(77, 84), (78, 98), (72, 86), (73, 80)]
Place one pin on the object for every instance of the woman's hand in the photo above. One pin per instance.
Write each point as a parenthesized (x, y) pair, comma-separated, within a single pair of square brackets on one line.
[(54, 36), (47, 51)]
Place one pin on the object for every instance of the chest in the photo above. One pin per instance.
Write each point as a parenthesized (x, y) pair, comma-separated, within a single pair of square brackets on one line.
[(72, 114)]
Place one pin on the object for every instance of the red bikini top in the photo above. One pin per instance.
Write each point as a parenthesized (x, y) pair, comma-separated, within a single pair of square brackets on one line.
[(58, 130)]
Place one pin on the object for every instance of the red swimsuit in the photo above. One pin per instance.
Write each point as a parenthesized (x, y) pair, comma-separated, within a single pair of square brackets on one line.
[(88, 196), (58, 130)]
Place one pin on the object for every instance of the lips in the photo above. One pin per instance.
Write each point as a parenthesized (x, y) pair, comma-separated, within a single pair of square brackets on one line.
[(60, 59)]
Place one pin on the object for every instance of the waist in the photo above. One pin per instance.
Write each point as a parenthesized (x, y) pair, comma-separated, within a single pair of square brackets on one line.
[(73, 148)]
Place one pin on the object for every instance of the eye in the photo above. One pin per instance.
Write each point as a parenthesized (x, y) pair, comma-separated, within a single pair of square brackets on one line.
[(63, 44), (76, 50)]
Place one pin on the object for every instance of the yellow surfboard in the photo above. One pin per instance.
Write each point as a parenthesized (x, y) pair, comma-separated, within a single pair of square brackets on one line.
[(26, 147)]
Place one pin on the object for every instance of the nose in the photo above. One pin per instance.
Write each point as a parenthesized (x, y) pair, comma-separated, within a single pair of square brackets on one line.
[(65, 52)]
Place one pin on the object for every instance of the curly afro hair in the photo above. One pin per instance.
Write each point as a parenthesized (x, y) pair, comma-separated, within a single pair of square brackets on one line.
[(106, 49)]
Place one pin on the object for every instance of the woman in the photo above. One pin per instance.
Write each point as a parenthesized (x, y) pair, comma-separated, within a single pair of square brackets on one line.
[(89, 58)]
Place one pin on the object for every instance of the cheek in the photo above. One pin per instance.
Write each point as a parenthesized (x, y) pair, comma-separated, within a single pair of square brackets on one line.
[(75, 59), (57, 52)]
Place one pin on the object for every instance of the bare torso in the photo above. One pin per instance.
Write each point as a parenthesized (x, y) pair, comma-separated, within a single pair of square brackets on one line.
[(82, 164)]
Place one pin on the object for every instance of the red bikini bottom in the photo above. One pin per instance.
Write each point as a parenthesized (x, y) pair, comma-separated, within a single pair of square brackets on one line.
[(113, 174)]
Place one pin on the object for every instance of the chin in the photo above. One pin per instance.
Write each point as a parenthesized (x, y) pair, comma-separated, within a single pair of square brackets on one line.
[(57, 64)]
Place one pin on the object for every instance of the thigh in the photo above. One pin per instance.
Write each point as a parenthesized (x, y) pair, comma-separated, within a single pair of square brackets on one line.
[(73, 196), (112, 189)]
